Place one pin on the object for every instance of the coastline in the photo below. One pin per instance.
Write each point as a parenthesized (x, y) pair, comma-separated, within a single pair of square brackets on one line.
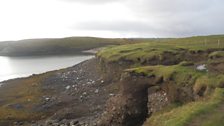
[(46, 96), (24, 74)]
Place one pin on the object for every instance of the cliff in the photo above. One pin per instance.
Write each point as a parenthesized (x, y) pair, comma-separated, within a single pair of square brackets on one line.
[(176, 83)]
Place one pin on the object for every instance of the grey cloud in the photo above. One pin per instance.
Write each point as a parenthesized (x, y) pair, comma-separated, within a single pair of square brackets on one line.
[(115, 26), (173, 18), (139, 28)]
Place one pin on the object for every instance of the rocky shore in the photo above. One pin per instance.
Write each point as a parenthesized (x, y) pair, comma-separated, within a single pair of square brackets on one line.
[(72, 96)]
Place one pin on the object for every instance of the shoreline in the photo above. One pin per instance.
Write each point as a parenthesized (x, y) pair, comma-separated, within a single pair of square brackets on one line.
[(34, 74), (74, 93)]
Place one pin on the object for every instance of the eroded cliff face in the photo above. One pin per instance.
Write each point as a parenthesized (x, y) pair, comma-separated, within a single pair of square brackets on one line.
[(129, 107), (140, 95)]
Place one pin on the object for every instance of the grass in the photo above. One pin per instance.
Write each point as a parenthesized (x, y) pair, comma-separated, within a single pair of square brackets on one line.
[(215, 119), (181, 75), (181, 116), (150, 49), (216, 54), (25, 92), (208, 82), (136, 52)]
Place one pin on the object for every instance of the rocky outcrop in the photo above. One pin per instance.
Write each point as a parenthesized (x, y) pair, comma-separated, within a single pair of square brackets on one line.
[(139, 97), (129, 107), (157, 100)]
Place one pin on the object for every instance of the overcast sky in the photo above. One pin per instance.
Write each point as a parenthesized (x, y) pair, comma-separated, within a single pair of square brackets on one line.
[(22, 19)]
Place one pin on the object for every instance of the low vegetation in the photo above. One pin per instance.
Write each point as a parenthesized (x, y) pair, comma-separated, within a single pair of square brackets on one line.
[(181, 75), (183, 115), (152, 49), (216, 54), (19, 98)]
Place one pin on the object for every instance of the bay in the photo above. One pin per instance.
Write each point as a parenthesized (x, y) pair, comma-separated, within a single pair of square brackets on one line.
[(16, 67)]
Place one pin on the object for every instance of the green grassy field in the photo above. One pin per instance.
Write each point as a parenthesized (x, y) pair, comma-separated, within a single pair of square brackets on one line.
[(151, 48)]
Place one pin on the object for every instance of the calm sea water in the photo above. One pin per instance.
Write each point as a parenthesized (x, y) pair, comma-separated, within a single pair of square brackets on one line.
[(14, 67)]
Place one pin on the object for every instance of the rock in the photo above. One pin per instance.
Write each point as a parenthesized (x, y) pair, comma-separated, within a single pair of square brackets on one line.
[(158, 100), (97, 91), (64, 121), (20, 123), (111, 94), (84, 93), (67, 87), (82, 123), (74, 122), (49, 122), (15, 123), (47, 99), (201, 67)]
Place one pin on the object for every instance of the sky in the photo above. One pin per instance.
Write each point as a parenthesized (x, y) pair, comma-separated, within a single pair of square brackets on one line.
[(24, 19)]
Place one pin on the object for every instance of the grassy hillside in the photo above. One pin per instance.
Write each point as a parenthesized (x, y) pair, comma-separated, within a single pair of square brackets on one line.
[(74, 45), (71, 45), (150, 49)]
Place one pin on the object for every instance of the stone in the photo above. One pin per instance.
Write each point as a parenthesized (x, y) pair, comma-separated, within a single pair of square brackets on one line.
[(201, 67), (47, 99), (97, 91), (111, 94), (84, 93), (74, 122), (67, 87)]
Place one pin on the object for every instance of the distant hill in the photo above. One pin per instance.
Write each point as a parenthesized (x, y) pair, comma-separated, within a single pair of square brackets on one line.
[(62, 46), (76, 45)]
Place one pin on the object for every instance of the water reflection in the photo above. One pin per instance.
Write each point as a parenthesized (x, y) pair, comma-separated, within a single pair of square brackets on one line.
[(5, 66), (13, 67)]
